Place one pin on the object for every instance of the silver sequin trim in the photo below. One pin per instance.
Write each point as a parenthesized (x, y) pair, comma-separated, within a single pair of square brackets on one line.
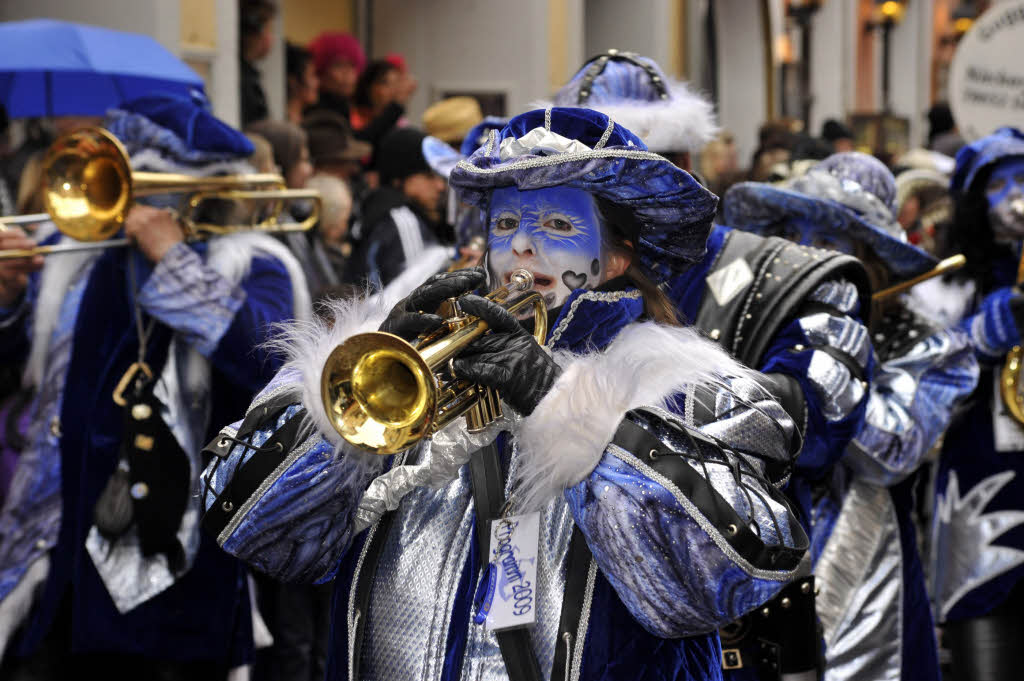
[(606, 135), (352, 621), (263, 398), (612, 297), (698, 517), (581, 630), (244, 509)]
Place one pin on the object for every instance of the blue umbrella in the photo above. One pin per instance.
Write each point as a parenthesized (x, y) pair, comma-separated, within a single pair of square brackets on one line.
[(56, 68)]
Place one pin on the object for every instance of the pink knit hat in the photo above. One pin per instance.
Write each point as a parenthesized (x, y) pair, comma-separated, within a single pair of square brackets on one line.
[(329, 47)]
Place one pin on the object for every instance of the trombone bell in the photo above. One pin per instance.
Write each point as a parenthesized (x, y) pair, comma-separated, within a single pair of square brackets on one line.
[(87, 184)]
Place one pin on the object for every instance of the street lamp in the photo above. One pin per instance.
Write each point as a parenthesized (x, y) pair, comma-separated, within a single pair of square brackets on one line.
[(801, 11), (888, 13)]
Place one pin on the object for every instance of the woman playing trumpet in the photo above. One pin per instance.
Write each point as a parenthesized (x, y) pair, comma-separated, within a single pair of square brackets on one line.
[(656, 519)]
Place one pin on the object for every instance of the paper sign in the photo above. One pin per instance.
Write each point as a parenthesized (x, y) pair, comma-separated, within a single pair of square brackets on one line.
[(511, 597), (986, 79)]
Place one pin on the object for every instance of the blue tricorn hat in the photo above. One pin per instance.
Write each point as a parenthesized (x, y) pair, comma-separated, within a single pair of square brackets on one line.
[(584, 149), (849, 193), (980, 154)]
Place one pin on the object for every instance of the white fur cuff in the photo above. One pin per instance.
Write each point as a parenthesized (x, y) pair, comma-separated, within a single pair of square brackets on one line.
[(563, 440)]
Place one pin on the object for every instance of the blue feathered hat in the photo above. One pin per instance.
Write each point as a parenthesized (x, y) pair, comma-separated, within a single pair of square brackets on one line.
[(850, 193), (980, 154), (668, 115), (170, 133), (584, 149)]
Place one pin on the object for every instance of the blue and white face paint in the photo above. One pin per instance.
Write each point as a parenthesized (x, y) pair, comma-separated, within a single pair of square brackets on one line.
[(1005, 193), (555, 233)]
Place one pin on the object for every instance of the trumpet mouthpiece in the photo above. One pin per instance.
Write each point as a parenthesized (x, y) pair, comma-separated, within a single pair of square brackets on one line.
[(521, 280)]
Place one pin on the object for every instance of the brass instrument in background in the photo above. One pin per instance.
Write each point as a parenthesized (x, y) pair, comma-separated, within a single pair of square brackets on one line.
[(950, 264), (1009, 377), (383, 394), (89, 187)]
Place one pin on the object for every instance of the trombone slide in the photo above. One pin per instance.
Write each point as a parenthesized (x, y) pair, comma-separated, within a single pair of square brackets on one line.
[(950, 264)]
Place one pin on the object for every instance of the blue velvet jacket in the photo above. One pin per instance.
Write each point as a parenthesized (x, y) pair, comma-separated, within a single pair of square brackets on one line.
[(663, 576), (205, 614)]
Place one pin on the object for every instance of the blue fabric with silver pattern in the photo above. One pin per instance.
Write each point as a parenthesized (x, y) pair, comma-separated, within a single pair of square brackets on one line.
[(430, 554)]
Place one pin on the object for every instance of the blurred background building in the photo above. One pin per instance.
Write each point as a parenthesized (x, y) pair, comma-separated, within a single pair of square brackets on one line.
[(875, 66)]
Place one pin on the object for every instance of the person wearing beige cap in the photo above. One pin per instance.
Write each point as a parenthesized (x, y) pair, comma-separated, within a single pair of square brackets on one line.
[(450, 120)]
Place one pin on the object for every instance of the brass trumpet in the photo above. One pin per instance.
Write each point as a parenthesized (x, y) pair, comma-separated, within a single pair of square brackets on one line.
[(1009, 377), (383, 394), (89, 187)]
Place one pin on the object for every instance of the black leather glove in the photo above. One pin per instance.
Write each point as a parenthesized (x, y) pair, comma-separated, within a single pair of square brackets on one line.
[(414, 315), (508, 359)]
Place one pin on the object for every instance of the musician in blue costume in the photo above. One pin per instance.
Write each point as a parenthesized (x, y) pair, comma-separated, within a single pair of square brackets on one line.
[(103, 570), (651, 456), (791, 312), (873, 603), (978, 528)]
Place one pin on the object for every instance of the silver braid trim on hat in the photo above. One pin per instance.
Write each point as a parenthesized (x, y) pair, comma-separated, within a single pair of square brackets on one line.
[(607, 134), (557, 159)]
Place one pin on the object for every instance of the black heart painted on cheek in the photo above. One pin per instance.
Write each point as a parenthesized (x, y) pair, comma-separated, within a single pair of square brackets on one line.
[(573, 280)]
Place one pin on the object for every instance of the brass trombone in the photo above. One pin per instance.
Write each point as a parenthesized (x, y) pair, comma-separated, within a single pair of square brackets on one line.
[(950, 264), (90, 186), (383, 394)]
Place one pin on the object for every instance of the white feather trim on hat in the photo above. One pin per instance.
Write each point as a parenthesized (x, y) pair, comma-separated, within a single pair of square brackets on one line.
[(685, 122), (563, 440)]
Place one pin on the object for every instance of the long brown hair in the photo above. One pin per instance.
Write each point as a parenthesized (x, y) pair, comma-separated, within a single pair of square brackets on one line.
[(879, 277), (620, 235)]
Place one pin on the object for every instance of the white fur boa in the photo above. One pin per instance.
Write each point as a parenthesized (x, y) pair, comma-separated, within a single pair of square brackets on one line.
[(563, 440), (684, 122), (565, 437)]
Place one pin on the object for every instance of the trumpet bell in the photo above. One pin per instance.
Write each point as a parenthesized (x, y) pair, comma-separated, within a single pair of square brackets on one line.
[(379, 393), (88, 184)]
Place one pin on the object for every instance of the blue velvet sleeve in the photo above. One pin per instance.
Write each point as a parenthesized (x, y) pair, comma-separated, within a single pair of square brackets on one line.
[(298, 522), (689, 550), (911, 403), (828, 352), (226, 323)]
